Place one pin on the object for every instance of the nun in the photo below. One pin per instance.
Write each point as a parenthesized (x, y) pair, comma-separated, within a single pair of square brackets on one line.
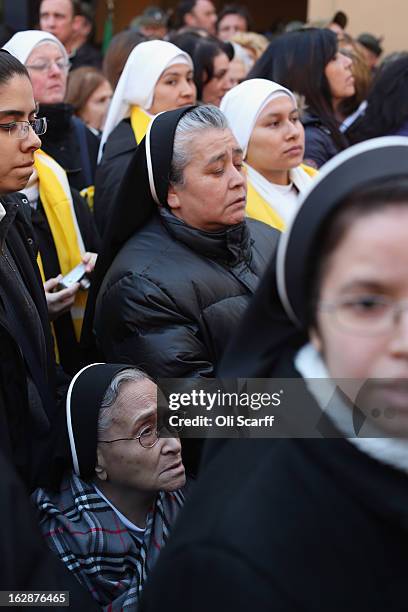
[(178, 270), (264, 118), (325, 517), (110, 512), (158, 76)]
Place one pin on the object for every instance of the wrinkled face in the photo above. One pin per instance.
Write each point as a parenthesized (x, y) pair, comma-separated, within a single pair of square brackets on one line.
[(48, 69), (368, 270), (174, 89), (278, 140), (203, 16), (126, 463), (96, 107), (230, 25), (339, 75), (217, 87), (56, 16), (16, 155), (213, 195)]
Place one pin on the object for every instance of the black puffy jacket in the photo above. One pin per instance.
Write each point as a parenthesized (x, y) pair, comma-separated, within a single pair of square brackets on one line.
[(174, 294)]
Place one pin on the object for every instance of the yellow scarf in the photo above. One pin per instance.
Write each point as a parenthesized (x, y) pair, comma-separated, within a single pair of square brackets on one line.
[(139, 121), (56, 198), (258, 208)]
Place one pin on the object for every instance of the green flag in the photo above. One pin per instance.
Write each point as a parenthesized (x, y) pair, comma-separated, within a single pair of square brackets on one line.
[(107, 32)]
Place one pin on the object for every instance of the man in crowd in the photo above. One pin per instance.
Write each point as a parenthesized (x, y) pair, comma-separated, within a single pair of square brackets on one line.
[(71, 22), (196, 14)]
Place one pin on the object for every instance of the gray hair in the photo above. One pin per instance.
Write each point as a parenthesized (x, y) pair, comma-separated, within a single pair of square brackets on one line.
[(197, 120), (107, 408)]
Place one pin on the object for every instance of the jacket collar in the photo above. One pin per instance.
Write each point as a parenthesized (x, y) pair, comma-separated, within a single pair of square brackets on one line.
[(230, 246)]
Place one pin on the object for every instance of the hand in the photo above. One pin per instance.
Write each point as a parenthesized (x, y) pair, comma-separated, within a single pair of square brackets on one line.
[(58, 301), (89, 259)]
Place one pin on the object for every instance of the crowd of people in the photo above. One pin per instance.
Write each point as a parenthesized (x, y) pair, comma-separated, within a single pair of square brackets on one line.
[(197, 202)]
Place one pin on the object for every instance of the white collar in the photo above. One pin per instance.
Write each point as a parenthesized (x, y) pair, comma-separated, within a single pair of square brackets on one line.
[(392, 451)]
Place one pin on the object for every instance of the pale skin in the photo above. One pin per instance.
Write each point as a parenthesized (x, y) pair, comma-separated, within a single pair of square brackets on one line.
[(93, 113), (49, 85), (230, 25), (129, 475), (57, 17), (340, 77), (277, 142), (174, 89), (213, 195), (371, 260)]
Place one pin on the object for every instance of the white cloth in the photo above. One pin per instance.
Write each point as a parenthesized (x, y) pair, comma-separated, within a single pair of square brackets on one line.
[(32, 190), (243, 104), (392, 451), (2, 212), (136, 85), (22, 43), (284, 199)]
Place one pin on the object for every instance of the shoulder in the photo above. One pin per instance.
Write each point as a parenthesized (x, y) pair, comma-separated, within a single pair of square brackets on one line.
[(121, 140)]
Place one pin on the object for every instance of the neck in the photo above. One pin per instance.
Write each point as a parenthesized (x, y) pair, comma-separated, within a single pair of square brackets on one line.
[(279, 177), (336, 104), (133, 504)]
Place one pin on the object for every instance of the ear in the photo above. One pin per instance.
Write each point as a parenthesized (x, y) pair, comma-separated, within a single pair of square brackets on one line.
[(316, 340), (100, 469), (173, 199), (189, 20), (77, 23)]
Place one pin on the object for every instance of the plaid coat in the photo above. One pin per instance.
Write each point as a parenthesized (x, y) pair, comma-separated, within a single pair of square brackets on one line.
[(111, 561)]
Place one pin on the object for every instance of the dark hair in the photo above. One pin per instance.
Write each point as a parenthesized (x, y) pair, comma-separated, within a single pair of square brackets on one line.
[(75, 4), (202, 50), (387, 101), (235, 9), (297, 60), (181, 10), (10, 66), (117, 53), (82, 82), (362, 202)]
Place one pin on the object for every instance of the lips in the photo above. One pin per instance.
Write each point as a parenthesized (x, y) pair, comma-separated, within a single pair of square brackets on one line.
[(174, 466), (294, 151)]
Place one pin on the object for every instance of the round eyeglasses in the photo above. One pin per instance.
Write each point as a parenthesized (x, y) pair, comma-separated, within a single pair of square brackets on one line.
[(150, 435), (20, 129), (367, 315), (46, 65)]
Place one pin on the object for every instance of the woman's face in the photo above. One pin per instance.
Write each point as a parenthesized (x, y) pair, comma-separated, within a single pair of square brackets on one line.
[(48, 69), (217, 87), (278, 139), (367, 274), (174, 89), (340, 77), (96, 107), (16, 154)]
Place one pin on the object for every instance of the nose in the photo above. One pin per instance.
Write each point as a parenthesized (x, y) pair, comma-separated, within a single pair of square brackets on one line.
[(238, 178), (293, 130), (171, 446), (54, 69), (187, 89), (31, 142)]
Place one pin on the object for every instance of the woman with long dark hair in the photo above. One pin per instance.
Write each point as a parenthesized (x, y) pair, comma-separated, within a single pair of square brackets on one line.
[(308, 63)]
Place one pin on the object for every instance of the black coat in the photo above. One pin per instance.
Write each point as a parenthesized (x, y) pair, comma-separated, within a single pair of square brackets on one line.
[(287, 525), (119, 150), (71, 356), (86, 55), (27, 564), (25, 425), (174, 294), (319, 143), (61, 141)]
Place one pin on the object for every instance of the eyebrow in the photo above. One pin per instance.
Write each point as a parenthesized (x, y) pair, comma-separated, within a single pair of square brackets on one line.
[(144, 415), (367, 284), (222, 156), (15, 113), (294, 110)]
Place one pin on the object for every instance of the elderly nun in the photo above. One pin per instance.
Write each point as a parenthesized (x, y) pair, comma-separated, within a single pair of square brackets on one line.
[(325, 515), (264, 118), (109, 513), (157, 76)]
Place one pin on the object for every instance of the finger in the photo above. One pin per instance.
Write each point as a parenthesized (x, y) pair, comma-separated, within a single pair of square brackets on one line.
[(51, 283)]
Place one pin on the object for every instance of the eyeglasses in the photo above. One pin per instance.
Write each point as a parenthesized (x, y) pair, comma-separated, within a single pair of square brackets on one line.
[(368, 315), (149, 436), (45, 66), (20, 129)]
